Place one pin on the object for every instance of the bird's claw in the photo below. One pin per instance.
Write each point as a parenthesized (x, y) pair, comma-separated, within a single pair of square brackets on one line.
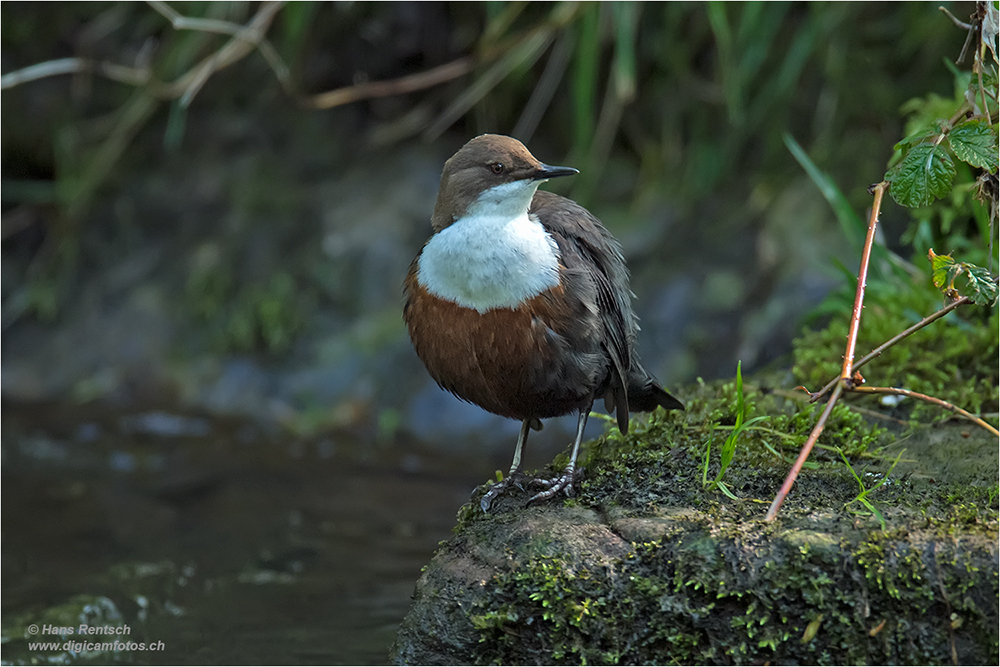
[(563, 483), (486, 502), (550, 487), (495, 490)]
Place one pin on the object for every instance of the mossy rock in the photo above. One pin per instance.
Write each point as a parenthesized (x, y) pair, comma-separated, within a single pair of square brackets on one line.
[(649, 565)]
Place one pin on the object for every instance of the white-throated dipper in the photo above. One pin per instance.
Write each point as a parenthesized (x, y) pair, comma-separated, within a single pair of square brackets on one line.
[(520, 303)]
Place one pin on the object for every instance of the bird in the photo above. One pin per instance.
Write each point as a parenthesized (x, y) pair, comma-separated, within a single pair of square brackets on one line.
[(519, 302)]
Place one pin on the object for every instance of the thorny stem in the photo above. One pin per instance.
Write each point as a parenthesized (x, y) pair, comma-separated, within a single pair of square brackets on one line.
[(813, 397), (803, 455), (846, 381), (859, 295), (845, 373), (930, 399)]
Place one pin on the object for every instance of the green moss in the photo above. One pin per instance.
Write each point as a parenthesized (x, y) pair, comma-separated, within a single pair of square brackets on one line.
[(716, 584), (952, 359), (657, 461), (712, 600)]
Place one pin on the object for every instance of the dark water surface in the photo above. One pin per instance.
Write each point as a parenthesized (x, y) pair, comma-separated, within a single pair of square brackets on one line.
[(215, 542)]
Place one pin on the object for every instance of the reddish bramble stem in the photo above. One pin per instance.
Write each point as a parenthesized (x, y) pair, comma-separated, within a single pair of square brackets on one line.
[(803, 455), (845, 373), (859, 294)]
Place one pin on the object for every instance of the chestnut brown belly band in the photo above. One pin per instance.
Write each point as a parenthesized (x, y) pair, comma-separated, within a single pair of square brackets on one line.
[(537, 360)]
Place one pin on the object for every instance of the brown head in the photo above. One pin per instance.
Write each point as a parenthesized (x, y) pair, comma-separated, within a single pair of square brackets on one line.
[(488, 161)]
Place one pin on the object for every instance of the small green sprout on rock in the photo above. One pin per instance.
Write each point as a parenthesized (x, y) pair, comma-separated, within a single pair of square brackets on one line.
[(729, 446)]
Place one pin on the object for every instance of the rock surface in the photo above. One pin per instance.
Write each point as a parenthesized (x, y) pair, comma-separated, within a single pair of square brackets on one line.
[(645, 566)]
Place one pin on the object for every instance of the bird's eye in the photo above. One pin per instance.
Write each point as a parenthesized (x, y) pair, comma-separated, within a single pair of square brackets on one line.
[(496, 168)]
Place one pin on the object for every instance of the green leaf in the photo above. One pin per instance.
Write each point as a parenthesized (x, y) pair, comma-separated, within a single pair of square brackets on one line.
[(944, 270), (725, 489), (925, 114), (729, 447), (914, 139), (871, 508), (980, 286), (975, 142), (811, 630), (924, 174), (704, 468)]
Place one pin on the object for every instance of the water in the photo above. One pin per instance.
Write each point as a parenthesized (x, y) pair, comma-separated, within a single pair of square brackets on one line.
[(214, 541)]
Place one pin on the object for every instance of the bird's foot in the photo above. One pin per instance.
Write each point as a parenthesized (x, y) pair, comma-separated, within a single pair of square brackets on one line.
[(497, 489), (563, 483)]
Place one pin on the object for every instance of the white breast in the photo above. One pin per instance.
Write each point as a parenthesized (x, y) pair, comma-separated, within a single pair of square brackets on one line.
[(495, 256)]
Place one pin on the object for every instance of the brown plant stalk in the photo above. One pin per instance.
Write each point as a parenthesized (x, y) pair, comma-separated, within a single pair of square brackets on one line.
[(849, 379), (803, 454), (845, 373), (930, 399), (406, 84), (813, 397), (859, 294)]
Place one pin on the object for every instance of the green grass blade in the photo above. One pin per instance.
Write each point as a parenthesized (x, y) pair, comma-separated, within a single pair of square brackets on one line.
[(853, 474), (626, 16), (704, 468), (725, 489), (875, 512), (524, 53), (853, 226), (585, 78), (728, 72)]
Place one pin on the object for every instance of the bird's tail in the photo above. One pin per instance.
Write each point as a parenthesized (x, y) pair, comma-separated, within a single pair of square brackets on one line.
[(645, 393)]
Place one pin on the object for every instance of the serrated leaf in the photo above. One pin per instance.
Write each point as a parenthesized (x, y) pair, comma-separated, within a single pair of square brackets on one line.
[(975, 142), (980, 286), (914, 139), (924, 174)]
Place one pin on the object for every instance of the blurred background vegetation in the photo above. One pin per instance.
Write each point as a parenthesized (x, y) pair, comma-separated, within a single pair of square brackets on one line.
[(684, 99), (197, 168), (209, 208)]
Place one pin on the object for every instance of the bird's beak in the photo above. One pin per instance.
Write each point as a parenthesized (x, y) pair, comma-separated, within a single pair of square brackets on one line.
[(545, 172)]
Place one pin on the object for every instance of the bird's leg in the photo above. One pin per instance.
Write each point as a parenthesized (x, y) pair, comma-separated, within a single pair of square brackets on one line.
[(522, 439), (564, 482), (515, 466)]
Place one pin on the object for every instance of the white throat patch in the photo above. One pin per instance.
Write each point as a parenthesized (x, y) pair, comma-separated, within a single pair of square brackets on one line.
[(494, 256)]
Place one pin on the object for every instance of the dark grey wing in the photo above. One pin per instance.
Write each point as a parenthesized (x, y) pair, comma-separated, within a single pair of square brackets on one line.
[(618, 347), (594, 245)]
